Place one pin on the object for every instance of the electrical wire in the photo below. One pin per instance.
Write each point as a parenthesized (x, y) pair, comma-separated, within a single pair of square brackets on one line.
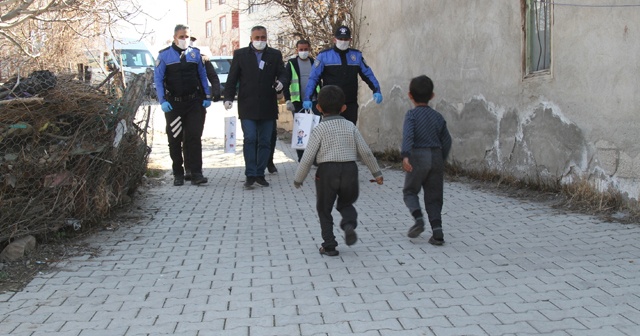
[(549, 2)]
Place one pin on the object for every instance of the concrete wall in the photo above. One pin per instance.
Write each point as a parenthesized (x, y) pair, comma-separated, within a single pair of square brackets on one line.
[(582, 121)]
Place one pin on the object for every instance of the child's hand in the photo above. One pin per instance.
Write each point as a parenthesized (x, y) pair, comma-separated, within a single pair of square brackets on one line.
[(297, 185), (379, 179), (406, 166)]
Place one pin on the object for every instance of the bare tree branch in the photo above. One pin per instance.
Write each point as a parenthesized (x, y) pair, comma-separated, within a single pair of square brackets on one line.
[(48, 31), (313, 20)]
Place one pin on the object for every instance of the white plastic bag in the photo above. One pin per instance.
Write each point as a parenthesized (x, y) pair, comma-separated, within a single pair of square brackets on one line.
[(230, 134), (303, 123)]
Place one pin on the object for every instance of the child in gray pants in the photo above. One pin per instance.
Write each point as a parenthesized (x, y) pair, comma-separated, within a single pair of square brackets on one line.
[(425, 145)]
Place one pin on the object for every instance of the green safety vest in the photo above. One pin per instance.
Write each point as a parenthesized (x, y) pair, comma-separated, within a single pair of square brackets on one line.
[(294, 88)]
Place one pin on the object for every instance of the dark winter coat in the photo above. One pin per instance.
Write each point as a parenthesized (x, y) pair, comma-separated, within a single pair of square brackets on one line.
[(257, 98)]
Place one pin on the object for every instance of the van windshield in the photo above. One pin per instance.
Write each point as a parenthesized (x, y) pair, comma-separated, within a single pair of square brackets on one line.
[(135, 58), (221, 66)]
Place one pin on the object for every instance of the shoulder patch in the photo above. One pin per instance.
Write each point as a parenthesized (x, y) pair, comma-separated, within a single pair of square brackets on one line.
[(316, 63), (158, 62)]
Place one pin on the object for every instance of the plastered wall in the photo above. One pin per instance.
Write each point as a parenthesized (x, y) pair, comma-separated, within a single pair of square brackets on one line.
[(581, 121)]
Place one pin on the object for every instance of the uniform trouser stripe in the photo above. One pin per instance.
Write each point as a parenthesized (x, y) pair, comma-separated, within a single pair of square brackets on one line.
[(178, 126), (176, 134), (176, 120)]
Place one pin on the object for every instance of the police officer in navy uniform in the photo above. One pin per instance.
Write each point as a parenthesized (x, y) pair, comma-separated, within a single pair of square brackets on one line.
[(183, 91), (341, 66)]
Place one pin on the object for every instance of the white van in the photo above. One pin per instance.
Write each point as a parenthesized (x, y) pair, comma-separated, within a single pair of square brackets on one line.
[(133, 56)]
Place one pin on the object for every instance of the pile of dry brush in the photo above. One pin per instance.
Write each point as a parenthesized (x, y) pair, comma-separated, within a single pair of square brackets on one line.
[(69, 153)]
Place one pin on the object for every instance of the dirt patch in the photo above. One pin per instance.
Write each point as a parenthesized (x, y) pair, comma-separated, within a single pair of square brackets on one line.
[(59, 246), (14, 276)]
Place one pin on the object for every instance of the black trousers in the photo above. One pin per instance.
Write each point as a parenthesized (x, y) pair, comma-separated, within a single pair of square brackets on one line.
[(351, 113), (272, 142), (185, 124), (336, 180), (184, 152)]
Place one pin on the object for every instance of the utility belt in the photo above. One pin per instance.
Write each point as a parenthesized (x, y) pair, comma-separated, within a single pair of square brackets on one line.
[(182, 98)]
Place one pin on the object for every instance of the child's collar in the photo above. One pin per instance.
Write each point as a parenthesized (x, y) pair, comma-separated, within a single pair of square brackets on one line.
[(332, 116)]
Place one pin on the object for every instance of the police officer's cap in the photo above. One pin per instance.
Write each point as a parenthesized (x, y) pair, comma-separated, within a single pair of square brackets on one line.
[(343, 32)]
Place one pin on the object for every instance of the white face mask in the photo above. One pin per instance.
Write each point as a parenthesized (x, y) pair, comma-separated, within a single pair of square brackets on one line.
[(192, 43), (183, 44), (303, 54), (342, 45), (259, 45)]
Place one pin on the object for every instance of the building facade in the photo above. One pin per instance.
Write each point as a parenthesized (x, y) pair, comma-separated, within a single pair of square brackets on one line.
[(223, 26), (537, 90)]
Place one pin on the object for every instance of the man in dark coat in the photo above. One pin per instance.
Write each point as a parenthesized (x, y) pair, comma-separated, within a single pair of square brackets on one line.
[(258, 71)]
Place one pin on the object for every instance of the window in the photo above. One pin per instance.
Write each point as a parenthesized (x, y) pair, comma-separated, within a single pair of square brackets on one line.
[(209, 29), (223, 24), (235, 20), (538, 24), (222, 2), (207, 4), (252, 7)]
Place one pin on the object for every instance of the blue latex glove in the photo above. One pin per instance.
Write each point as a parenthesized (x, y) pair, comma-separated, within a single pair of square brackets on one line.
[(307, 105), (206, 103), (166, 107), (377, 97)]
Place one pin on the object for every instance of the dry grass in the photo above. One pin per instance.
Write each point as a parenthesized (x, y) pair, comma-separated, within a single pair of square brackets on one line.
[(390, 158), (580, 196)]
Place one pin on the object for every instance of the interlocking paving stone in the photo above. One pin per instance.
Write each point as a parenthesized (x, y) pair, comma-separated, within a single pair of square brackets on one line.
[(220, 260)]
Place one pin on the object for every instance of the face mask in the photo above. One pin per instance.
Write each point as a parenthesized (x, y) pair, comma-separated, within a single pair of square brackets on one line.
[(192, 43), (342, 45), (183, 44), (303, 54), (259, 45)]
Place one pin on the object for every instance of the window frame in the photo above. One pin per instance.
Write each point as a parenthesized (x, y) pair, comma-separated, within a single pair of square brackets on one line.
[(530, 32), (208, 5), (222, 23), (208, 29)]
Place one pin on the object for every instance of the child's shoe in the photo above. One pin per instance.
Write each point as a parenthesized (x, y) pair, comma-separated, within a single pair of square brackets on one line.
[(437, 238), (417, 228), (350, 236), (330, 251)]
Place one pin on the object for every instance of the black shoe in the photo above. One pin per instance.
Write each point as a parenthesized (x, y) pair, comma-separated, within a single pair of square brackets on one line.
[(198, 179), (437, 238), (261, 181), (272, 168), (178, 180), (249, 182), (350, 236), (416, 229), (187, 175), (330, 251)]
